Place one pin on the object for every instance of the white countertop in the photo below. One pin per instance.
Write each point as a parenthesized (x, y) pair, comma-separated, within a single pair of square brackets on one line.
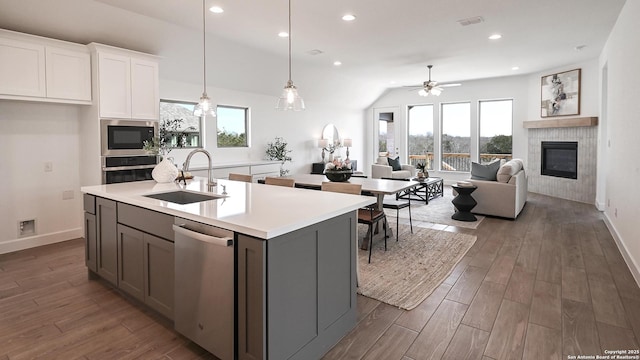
[(259, 210)]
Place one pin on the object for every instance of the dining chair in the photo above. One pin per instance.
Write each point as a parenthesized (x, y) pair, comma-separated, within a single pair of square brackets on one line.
[(240, 177), (397, 204), (368, 216), (280, 181)]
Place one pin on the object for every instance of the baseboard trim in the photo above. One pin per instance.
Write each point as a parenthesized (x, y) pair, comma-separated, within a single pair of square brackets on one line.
[(39, 240), (633, 267), (600, 206)]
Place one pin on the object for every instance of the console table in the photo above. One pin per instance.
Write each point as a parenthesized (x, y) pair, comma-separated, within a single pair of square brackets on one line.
[(318, 168)]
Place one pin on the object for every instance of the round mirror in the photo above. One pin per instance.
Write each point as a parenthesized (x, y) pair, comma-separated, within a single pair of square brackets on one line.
[(330, 133)]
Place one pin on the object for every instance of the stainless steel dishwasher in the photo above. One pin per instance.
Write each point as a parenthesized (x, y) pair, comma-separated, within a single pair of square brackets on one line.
[(204, 286)]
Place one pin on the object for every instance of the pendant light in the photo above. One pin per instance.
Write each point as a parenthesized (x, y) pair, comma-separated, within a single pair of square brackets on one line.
[(290, 100), (204, 107)]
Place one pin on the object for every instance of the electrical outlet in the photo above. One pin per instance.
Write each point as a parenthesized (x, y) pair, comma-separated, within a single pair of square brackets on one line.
[(67, 195), (48, 166)]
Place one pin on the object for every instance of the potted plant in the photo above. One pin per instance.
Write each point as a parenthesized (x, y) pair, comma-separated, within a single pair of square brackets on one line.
[(277, 150), (422, 170), (161, 145)]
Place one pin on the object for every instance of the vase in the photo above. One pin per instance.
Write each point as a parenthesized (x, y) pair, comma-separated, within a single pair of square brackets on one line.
[(330, 157), (165, 171)]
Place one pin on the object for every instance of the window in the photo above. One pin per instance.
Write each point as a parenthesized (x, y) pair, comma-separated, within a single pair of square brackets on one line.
[(178, 125), (456, 137), (496, 130), (420, 140), (386, 134), (232, 126)]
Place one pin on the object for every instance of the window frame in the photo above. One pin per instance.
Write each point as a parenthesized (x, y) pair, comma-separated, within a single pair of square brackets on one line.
[(246, 109), (441, 135), (199, 127), (432, 162), (480, 124)]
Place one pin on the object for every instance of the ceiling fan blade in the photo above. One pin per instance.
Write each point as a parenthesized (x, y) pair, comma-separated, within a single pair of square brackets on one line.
[(451, 85)]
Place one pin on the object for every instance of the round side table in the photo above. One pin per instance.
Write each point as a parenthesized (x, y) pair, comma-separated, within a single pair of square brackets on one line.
[(464, 202)]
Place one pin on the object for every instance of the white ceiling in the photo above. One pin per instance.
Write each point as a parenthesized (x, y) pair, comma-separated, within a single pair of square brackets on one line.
[(389, 40)]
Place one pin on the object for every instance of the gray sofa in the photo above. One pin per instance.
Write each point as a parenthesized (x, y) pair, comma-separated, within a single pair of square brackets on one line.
[(506, 196)]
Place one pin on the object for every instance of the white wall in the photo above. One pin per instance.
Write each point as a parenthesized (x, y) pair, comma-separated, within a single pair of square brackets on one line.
[(622, 128), (30, 135), (301, 129), (513, 87)]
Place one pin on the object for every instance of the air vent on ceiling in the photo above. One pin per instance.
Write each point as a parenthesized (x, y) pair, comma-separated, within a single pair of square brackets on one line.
[(471, 21), (314, 52)]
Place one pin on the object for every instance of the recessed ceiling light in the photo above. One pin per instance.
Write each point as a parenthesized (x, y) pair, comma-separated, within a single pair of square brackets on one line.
[(349, 17), (216, 9), (515, 68), (495, 37), (392, 82), (283, 34), (337, 63)]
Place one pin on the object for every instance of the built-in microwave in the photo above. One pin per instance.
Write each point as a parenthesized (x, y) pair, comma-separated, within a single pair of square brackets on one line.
[(125, 137)]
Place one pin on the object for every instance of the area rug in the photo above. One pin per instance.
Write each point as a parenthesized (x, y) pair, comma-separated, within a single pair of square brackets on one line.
[(438, 211), (411, 268)]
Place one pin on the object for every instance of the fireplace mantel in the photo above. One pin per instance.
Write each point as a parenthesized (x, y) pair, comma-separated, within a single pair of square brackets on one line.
[(561, 122)]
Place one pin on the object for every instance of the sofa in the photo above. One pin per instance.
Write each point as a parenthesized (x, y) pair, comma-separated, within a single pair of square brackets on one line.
[(506, 195), (383, 169)]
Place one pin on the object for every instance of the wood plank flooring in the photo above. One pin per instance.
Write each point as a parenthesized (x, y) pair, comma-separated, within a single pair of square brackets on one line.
[(550, 284)]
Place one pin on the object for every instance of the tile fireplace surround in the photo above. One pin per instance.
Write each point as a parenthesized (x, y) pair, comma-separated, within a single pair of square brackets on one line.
[(582, 189)]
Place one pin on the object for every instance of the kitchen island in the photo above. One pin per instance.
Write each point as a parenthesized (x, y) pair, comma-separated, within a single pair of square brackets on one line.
[(293, 262)]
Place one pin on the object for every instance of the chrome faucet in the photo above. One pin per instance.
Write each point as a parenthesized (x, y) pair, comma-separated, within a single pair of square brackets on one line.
[(211, 181)]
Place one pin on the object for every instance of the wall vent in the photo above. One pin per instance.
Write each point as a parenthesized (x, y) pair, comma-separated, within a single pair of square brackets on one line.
[(471, 21)]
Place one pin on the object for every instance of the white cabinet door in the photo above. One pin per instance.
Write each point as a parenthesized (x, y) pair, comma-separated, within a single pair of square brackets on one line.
[(145, 97), (114, 79), (22, 68), (68, 74)]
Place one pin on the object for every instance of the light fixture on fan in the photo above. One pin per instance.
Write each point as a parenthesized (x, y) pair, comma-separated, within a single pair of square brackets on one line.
[(430, 87), (204, 107), (290, 100)]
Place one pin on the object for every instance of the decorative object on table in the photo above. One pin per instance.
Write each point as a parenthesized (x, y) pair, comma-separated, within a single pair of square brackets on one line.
[(165, 171), (462, 183), (322, 143), (347, 143), (338, 170), (464, 202), (277, 150), (560, 94), (422, 170), (290, 100), (204, 107)]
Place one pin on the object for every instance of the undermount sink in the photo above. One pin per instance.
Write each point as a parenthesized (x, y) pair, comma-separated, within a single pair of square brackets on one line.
[(183, 197)]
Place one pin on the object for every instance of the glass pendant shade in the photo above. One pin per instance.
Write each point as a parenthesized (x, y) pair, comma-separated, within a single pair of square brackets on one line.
[(436, 91), (290, 100), (204, 107)]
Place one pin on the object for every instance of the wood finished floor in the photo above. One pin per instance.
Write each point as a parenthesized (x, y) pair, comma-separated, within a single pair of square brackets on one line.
[(550, 284)]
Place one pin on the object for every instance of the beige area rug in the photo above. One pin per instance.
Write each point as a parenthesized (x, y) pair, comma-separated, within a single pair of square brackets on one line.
[(411, 268), (438, 211)]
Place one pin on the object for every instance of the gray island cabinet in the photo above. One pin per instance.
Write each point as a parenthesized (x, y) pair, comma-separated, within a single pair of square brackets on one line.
[(294, 273)]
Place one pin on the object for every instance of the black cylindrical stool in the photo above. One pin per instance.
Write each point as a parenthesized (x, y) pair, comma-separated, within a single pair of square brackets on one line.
[(464, 202)]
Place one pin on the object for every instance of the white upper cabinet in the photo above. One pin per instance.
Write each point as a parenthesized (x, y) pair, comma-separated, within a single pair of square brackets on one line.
[(35, 68), (127, 84), (22, 68), (68, 74), (145, 97)]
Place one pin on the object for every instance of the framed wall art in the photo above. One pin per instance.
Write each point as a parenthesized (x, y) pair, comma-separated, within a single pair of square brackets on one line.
[(560, 94)]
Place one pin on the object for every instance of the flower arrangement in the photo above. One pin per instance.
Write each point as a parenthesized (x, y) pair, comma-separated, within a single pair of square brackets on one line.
[(277, 150), (338, 170)]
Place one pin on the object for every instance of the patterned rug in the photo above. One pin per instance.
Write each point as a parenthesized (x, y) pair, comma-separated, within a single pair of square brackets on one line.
[(438, 211), (411, 268)]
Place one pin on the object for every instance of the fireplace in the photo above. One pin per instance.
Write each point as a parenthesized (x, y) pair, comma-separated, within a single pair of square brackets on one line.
[(560, 159)]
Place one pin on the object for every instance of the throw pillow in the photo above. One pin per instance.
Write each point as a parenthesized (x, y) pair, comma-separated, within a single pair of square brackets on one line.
[(509, 169), (485, 172), (395, 163)]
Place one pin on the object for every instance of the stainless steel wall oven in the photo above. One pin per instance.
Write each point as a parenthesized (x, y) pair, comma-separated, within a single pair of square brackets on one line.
[(118, 169)]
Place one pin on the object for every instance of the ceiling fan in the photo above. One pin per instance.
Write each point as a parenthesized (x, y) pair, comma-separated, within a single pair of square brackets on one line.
[(431, 87)]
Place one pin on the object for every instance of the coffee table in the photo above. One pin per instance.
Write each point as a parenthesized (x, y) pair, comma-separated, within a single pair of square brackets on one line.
[(427, 189)]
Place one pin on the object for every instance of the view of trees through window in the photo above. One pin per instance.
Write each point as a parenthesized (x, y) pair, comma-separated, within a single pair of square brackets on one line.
[(181, 127), (386, 133), (496, 118), (456, 136), (420, 139), (232, 126)]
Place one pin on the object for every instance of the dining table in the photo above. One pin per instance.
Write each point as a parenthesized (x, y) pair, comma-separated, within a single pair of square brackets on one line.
[(377, 187)]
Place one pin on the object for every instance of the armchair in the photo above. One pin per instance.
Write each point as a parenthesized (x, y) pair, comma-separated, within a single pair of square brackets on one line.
[(382, 169)]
